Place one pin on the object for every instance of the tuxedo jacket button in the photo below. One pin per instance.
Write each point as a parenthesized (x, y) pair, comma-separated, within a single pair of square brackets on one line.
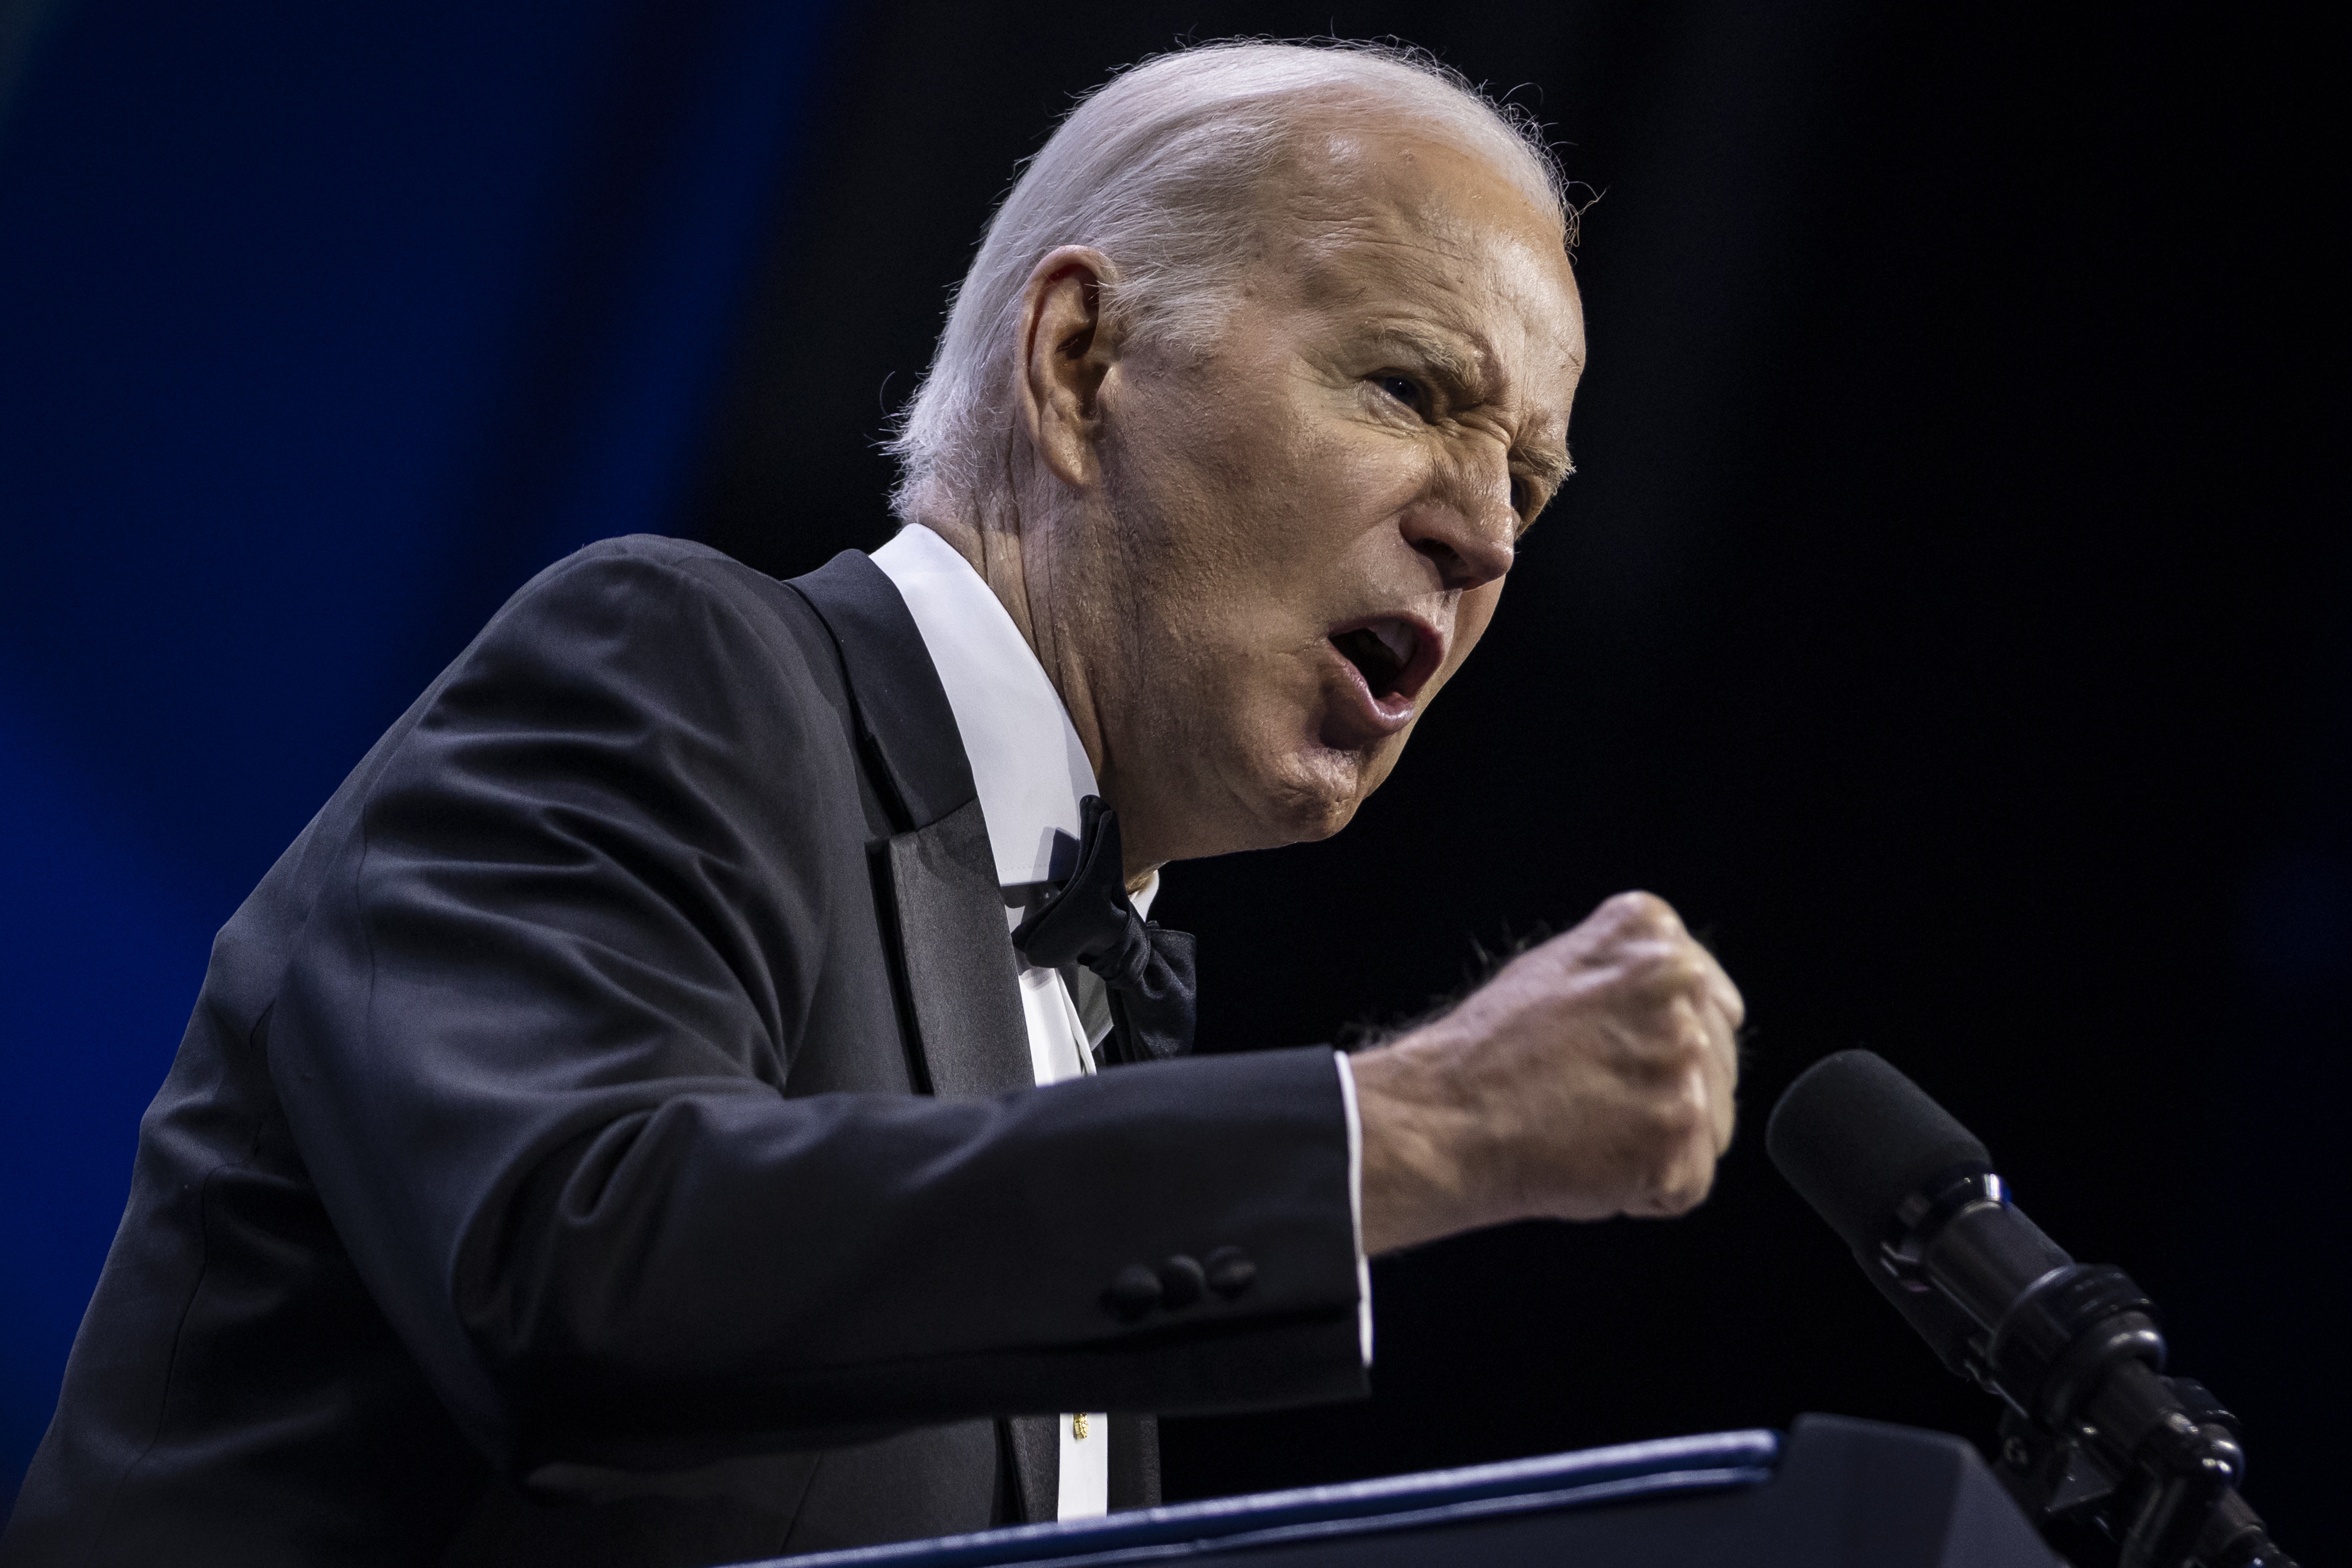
[(1134, 1290), (1181, 1281), (1230, 1271)]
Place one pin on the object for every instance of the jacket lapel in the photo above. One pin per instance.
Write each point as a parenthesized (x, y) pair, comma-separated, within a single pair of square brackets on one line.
[(955, 958), (904, 722), (960, 999)]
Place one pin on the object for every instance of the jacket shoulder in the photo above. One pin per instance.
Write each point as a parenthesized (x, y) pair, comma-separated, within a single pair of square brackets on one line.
[(654, 561)]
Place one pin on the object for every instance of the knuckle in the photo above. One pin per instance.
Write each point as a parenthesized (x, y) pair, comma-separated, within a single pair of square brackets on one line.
[(1664, 972), (1671, 1122), (1641, 913), (1735, 1005), (1686, 1192), (1672, 1042), (1682, 969), (1683, 1185), (1693, 1053), (1724, 999)]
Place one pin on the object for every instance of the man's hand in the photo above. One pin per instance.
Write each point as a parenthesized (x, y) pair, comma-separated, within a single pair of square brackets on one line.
[(1593, 1077)]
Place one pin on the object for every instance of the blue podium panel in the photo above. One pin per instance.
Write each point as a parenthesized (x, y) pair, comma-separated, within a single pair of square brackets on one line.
[(1838, 1493)]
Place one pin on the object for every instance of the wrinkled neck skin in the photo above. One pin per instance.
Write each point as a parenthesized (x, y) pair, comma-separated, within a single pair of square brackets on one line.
[(1023, 541)]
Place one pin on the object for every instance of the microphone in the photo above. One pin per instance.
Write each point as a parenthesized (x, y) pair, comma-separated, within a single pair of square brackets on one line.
[(2094, 1433)]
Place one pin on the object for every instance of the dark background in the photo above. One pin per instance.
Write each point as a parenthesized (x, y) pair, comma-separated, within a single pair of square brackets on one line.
[(1948, 616)]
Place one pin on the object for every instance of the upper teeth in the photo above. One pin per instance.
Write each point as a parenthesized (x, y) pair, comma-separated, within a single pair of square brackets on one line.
[(1396, 636)]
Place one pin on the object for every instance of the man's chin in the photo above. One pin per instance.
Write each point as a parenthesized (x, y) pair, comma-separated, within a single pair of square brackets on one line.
[(1316, 792)]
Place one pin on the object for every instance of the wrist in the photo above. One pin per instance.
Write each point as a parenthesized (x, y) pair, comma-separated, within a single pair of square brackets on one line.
[(1426, 1172)]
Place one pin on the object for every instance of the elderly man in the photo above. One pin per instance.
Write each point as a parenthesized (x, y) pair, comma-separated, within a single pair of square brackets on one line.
[(660, 1110)]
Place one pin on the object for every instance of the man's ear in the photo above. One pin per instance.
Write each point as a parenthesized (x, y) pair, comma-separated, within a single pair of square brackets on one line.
[(1067, 352)]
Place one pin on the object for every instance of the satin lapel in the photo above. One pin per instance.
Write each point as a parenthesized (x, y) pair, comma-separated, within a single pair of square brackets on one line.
[(959, 991), (959, 998), (1134, 1462), (961, 1005), (913, 748), (1037, 1465), (962, 997)]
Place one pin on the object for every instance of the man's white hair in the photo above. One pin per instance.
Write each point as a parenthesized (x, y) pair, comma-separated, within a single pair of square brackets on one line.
[(1158, 170)]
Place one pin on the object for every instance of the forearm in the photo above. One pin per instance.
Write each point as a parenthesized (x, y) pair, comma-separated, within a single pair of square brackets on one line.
[(742, 1263)]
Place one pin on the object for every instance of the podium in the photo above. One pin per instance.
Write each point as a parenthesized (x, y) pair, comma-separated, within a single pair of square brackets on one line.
[(1833, 1493)]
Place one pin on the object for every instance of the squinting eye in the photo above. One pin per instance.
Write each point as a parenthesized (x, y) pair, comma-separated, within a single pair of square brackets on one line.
[(1402, 388)]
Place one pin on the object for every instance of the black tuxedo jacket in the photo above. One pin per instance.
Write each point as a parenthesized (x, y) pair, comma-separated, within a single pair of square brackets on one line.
[(606, 1136)]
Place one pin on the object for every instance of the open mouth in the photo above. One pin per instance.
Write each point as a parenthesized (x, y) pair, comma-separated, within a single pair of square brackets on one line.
[(1394, 656)]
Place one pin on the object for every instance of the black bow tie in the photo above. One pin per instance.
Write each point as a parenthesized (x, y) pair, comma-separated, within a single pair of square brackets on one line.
[(1148, 971)]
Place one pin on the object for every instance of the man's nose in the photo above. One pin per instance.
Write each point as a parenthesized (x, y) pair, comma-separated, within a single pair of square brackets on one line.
[(1467, 527)]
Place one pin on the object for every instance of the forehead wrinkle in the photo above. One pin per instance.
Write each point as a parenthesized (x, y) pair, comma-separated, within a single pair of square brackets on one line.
[(1324, 222), (1353, 256)]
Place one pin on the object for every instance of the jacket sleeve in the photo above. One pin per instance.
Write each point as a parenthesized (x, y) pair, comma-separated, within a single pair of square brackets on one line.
[(533, 1045)]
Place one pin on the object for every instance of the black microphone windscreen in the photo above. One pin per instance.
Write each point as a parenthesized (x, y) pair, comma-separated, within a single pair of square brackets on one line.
[(1855, 1138)]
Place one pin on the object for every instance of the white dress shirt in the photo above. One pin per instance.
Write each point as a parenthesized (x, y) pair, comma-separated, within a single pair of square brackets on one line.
[(1031, 773)]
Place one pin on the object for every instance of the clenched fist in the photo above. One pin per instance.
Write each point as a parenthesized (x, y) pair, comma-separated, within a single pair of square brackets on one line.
[(1593, 1077)]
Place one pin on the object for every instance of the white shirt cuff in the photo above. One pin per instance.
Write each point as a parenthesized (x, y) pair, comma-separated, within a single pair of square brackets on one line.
[(1356, 1204)]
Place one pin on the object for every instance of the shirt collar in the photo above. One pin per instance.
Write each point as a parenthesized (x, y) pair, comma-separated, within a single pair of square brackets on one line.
[(1026, 762)]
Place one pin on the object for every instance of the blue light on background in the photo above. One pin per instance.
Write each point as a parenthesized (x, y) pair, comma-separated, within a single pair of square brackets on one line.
[(321, 329)]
